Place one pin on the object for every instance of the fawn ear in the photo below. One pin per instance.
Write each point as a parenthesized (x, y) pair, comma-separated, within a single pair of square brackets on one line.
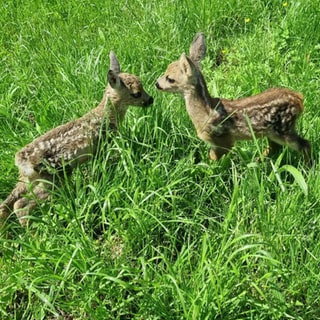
[(186, 65), (114, 64), (198, 49), (113, 79)]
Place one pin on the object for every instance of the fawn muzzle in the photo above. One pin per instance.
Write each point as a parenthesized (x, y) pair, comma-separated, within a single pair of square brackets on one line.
[(148, 102)]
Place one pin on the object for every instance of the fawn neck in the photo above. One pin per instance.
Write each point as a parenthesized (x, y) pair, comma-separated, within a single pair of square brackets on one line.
[(117, 107), (198, 102), (110, 107)]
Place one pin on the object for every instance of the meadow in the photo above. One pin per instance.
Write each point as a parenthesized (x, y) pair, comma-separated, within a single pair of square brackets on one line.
[(150, 228)]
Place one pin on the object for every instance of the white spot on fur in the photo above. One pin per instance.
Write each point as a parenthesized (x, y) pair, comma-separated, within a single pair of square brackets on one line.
[(25, 168), (41, 146)]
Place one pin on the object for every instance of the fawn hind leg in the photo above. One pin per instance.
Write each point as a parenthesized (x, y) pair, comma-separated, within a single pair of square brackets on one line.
[(300, 144), (23, 207), (295, 142), (8, 205)]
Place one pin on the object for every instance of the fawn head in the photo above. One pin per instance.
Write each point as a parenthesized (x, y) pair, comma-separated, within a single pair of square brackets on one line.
[(186, 71), (124, 88)]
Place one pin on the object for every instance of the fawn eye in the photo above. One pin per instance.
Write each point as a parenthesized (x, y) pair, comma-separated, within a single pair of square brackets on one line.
[(136, 95), (170, 80)]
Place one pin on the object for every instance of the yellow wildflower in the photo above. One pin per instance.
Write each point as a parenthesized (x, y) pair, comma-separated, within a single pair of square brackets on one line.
[(247, 20), (285, 4)]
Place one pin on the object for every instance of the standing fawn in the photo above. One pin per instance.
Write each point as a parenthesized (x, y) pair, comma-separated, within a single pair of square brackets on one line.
[(72, 143), (221, 122)]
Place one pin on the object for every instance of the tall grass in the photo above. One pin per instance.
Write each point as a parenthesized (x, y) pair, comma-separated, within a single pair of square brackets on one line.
[(150, 229)]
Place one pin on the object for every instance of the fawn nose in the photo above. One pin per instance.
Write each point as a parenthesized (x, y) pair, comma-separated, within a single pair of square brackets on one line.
[(158, 86), (149, 101)]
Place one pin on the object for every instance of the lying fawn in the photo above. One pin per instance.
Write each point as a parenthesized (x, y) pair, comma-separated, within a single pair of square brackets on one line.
[(72, 143), (221, 122)]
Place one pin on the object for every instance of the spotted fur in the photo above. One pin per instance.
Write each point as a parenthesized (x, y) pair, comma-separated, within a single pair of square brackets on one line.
[(72, 143), (221, 122)]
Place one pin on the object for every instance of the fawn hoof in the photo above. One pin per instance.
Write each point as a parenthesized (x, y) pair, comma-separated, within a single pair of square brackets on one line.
[(215, 155), (212, 155)]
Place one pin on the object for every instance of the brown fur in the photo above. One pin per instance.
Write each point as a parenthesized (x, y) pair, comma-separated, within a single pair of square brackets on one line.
[(221, 122), (72, 143)]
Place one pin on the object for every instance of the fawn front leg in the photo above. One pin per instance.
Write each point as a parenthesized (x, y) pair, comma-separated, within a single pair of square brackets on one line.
[(220, 147)]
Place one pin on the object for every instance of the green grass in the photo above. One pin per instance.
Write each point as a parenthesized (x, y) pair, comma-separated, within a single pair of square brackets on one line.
[(150, 229)]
